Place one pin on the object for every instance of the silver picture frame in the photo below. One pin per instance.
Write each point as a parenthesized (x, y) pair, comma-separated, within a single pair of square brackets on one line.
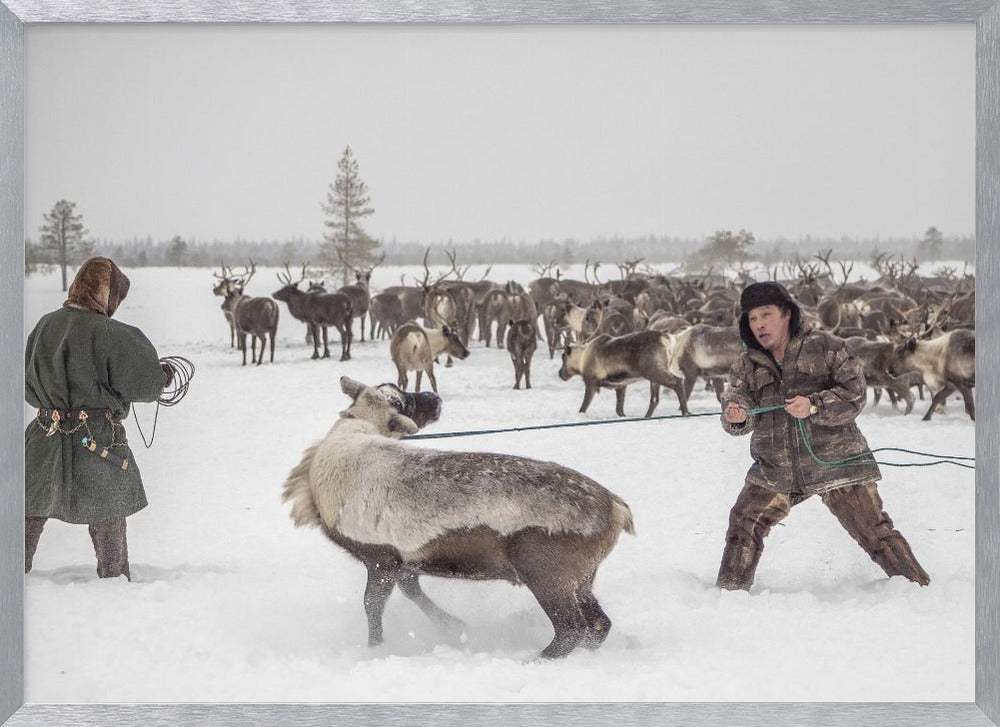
[(985, 14)]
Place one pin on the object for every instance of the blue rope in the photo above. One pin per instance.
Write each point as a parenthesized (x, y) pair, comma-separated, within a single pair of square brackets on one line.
[(847, 462)]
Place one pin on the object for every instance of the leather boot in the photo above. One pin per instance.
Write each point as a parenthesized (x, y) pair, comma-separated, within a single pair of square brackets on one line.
[(756, 511), (32, 532), (111, 548), (859, 510)]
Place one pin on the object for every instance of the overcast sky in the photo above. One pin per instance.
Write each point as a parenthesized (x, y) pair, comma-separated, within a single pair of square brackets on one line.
[(520, 132)]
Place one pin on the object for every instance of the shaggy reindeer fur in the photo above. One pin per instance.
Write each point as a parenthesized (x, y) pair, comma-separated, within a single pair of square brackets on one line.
[(404, 511), (375, 490)]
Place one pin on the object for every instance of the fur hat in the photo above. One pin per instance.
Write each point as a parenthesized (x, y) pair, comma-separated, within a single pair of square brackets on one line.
[(767, 292), (423, 408), (99, 286)]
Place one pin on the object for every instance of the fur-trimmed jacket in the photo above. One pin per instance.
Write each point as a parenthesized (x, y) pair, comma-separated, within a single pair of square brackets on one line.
[(816, 365)]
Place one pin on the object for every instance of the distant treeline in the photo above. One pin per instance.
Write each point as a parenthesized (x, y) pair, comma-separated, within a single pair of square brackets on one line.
[(652, 249)]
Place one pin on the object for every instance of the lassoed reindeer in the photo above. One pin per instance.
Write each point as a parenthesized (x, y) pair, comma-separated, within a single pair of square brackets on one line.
[(405, 511)]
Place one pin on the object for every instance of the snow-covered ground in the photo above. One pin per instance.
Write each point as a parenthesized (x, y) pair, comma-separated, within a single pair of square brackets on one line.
[(230, 602)]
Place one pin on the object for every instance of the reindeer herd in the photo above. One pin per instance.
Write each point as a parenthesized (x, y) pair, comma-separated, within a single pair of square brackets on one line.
[(910, 331)]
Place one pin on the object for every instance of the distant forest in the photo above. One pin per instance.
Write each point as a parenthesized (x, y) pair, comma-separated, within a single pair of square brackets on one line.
[(651, 249)]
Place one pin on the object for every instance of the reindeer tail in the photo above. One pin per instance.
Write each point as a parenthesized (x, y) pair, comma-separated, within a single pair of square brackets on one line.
[(297, 489), (622, 515), (681, 343)]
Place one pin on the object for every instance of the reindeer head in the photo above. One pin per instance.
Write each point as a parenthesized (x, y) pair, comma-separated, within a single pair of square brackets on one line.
[(288, 286), (572, 358), (369, 405), (453, 344)]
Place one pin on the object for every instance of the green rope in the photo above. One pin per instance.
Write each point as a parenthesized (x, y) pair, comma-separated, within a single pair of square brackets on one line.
[(846, 462)]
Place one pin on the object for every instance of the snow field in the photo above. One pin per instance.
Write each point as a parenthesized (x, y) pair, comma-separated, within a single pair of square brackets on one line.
[(230, 602)]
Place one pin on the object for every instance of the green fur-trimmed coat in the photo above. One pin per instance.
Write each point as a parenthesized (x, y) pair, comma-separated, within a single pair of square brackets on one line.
[(81, 359), (816, 365)]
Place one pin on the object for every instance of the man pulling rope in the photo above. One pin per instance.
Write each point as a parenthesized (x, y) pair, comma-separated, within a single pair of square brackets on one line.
[(811, 376)]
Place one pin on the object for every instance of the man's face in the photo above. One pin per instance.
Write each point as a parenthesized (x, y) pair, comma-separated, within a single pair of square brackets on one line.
[(770, 324)]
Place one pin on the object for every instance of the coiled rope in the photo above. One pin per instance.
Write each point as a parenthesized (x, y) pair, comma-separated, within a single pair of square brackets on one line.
[(173, 393), (846, 462)]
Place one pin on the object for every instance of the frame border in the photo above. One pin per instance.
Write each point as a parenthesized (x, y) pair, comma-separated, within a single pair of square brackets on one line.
[(985, 711)]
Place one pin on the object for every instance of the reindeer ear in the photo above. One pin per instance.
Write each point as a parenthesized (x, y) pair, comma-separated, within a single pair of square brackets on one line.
[(351, 387), (399, 424)]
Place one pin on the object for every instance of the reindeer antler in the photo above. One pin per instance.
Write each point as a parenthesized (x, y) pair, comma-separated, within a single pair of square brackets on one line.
[(286, 279), (460, 274)]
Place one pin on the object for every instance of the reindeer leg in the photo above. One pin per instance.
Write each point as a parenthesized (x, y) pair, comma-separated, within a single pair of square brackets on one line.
[(589, 390), (597, 622), (419, 376), (346, 335), (518, 369), (970, 406), (448, 362), (680, 388), (381, 580), (272, 344), (527, 373), (537, 566), (409, 584), (314, 330), (654, 398), (431, 378), (326, 342), (876, 395), (720, 390), (939, 398), (401, 381), (620, 401)]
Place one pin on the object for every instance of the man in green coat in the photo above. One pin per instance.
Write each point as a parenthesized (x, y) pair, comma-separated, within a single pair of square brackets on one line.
[(82, 370), (813, 377)]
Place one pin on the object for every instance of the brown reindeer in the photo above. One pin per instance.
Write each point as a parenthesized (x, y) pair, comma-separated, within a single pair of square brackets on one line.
[(449, 514), (522, 339), (614, 363), (946, 362), (228, 282), (319, 310), (582, 322), (360, 291), (556, 335), (414, 348), (515, 305), (877, 359), (706, 351), (255, 316), (386, 315)]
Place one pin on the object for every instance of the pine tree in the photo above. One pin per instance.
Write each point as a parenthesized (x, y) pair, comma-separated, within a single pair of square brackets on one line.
[(63, 232), (176, 251), (932, 242), (345, 243)]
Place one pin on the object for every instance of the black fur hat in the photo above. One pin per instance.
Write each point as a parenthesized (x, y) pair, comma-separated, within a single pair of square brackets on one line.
[(767, 292), (423, 408)]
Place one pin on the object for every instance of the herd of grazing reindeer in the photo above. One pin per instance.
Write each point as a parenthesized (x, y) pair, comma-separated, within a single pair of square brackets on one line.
[(910, 331)]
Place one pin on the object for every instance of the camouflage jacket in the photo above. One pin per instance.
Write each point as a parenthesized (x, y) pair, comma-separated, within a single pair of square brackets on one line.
[(816, 365)]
